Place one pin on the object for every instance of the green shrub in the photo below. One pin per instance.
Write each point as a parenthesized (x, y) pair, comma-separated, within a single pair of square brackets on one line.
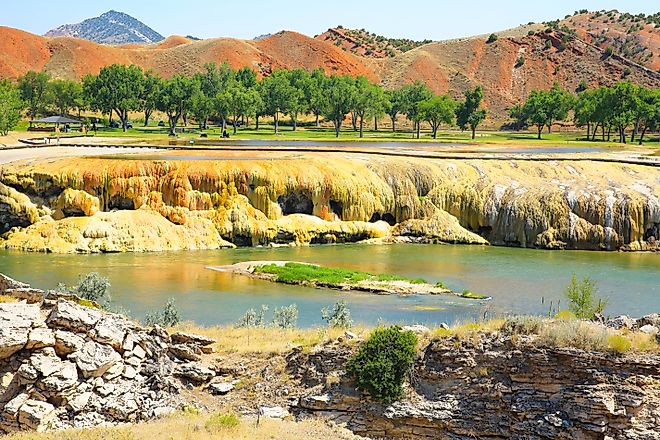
[(382, 362), (252, 318), (339, 316), (219, 422), (285, 317), (583, 301), (491, 38), (619, 344), (520, 61), (168, 317)]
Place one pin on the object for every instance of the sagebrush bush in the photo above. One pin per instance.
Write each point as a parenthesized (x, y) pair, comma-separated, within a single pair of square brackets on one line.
[(577, 334), (382, 363), (523, 325), (285, 317), (168, 317), (339, 316)]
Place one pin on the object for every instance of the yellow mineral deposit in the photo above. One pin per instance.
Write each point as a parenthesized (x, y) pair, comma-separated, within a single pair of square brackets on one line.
[(106, 204)]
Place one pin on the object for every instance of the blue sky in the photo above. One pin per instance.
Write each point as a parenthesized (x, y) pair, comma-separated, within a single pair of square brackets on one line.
[(436, 20)]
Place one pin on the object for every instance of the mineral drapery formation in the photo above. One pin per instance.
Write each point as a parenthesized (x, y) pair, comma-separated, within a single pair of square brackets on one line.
[(106, 205)]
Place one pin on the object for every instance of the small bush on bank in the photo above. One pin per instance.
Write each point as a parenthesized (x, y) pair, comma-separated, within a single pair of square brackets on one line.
[(285, 317), (523, 325), (253, 318), (619, 343), (90, 287), (576, 334), (168, 317), (382, 362), (583, 299), (339, 316), (219, 422), (491, 38)]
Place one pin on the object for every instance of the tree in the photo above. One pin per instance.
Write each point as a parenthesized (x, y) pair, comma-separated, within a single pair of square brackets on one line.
[(201, 106), (468, 113), (11, 106), (242, 102), (65, 95), (278, 95), (119, 88), (175, 99), (559, 102), (584, 111), (534, 112), (315, 95), (300, 82), (368, 101), (394, 105), (438, 110), (34, 91), (622, 102), (151, 86), (412, 96), (651, 112), (339, 316), (339, 92)]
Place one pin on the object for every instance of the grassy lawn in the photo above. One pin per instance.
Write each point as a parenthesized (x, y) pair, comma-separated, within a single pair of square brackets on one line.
[(296, 273), (155, 134)]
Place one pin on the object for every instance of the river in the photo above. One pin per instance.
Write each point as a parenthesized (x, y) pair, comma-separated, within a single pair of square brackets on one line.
[(519, 280)]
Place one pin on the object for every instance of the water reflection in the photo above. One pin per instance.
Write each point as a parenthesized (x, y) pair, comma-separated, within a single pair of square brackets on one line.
[(518, 280)]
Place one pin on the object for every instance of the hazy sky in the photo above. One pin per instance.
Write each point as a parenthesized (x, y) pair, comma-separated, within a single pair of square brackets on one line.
[(436, 20)]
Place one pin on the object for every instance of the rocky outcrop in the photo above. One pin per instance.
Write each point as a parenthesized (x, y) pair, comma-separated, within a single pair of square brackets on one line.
[(147, 205), (67, 365), (494, 387)]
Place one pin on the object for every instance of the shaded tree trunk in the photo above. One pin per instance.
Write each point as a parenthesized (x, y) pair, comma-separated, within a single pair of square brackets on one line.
[(393, 123), (641, 136), (147, 116), (235, 123), (295, 123), (419, 124), (361, 126), (277, 125), (635, 130), (256, 119), (354, 121), (540, 129), (375, 123), (337, 127), (316, 114)]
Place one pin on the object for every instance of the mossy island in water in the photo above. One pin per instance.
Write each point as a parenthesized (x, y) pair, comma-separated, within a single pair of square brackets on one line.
[(314, 275)]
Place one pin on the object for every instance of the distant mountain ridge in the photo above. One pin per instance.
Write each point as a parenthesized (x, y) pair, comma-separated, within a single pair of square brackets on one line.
[(110, 28)]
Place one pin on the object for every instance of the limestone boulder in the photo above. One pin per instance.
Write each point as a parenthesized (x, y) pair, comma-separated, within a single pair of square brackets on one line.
[(36, 415), (67, 342), (194, 372), (16, 322), (40, 337), (94, 359), (74, 317), (111, 330)]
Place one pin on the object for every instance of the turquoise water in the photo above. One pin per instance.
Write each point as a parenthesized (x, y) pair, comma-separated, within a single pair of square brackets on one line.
[(519, 280)]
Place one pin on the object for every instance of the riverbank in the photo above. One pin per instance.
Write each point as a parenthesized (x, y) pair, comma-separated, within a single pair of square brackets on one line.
[(316, 276), (231, 375)]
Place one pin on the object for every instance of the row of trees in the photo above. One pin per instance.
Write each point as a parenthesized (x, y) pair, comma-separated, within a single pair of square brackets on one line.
[(230, 96), (621, 108)]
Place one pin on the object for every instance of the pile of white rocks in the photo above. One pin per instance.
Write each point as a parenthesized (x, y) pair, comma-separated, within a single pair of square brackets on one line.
[(64, 365)]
